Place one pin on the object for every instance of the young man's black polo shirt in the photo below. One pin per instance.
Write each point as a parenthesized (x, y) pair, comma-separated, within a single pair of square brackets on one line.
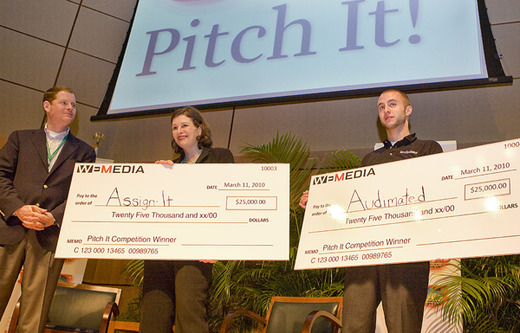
[(409, 147)]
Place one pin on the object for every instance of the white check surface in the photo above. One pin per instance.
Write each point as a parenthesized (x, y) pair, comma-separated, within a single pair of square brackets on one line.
[(457, 204), (195, 211)]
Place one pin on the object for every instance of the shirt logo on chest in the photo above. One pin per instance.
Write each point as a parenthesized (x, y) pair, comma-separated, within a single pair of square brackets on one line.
[(408, 152)]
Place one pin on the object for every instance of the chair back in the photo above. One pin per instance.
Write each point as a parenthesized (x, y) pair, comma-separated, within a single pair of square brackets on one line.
[(287, 314), (80, 307)]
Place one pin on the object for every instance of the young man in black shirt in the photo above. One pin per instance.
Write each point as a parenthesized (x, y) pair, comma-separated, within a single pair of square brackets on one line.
[(401, 287)]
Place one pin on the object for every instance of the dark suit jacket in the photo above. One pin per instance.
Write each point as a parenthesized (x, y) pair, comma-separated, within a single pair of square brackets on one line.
[(24, 180), (212, 155)]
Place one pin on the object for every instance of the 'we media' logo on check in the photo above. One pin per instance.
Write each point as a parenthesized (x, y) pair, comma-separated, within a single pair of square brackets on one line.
[(345, 175), (109, 168)]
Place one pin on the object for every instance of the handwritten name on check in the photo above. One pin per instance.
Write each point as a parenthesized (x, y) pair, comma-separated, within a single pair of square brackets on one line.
[(457, 204), (195, 211)]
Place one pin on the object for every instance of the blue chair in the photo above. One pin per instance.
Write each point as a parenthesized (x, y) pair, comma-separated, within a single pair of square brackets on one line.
[(291, 314), (79, 308)]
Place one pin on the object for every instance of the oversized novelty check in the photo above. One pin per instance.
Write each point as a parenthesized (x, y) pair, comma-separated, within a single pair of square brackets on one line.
[(457, 204), (185, 211)]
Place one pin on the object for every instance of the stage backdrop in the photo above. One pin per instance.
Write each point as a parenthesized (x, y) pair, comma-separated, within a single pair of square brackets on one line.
[(232, 52)]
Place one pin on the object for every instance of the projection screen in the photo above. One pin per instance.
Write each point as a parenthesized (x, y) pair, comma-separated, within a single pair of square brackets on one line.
[(214, 53)]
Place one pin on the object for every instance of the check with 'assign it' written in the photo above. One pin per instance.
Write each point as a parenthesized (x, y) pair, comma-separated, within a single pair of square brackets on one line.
[(185, 211)]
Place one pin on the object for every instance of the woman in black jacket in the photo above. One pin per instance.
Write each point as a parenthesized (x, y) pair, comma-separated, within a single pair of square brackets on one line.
[(175, 292)]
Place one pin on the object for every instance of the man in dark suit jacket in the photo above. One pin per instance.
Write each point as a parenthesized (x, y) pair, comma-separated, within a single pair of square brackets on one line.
[(36, 168)]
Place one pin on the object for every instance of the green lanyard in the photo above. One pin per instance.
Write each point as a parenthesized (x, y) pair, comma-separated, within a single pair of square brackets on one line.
[(51, 156)]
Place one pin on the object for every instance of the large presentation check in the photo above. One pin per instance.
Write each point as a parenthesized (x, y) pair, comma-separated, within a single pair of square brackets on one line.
[(457, 204), (195, 211)]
